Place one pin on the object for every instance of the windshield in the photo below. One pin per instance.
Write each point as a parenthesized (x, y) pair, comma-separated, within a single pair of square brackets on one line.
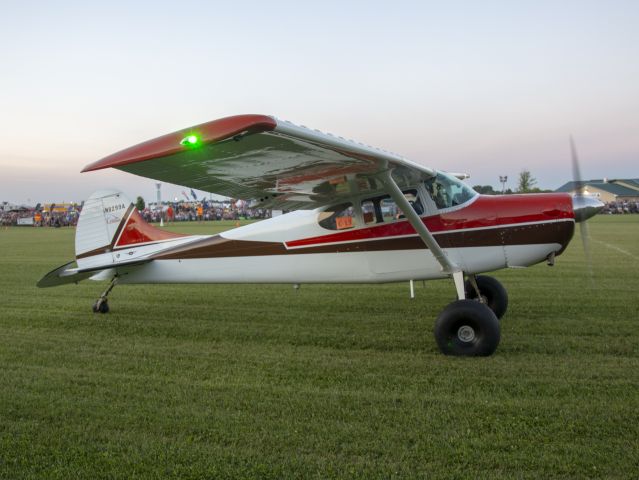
[(447, 191)]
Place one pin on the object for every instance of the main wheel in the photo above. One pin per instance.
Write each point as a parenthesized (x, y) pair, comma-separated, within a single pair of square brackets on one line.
[(493, 293), (467, 328)]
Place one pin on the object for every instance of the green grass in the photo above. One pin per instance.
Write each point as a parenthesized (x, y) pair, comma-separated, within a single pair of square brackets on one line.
[(197, 381)]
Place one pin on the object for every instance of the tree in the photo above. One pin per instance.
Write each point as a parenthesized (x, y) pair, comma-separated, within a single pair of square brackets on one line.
[(139, 204), (526, 181)]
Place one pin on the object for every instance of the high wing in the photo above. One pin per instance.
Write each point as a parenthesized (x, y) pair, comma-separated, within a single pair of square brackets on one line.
[(268, 161)]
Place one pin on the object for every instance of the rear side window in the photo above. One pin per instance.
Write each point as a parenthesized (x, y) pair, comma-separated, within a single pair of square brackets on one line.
[(368, 210), (389, 210), (338, 217)]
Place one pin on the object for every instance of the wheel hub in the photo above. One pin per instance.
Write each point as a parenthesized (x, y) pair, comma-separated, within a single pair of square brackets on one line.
[(466, 333)]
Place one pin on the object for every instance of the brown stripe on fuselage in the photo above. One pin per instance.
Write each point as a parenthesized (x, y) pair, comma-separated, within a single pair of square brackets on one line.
[(97, 251), (219, 247)]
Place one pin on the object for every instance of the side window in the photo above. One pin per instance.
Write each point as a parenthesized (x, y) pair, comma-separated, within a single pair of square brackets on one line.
[(385, 210), (437, 192), (338, 217), (368, 210), (390, 212), (413, 199), (448, 191)]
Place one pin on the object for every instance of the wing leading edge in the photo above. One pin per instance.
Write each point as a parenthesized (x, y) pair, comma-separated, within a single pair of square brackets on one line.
[(272, 162)]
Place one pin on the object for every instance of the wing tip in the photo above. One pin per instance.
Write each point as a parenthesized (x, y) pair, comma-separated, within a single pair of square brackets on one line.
[(170, 143)]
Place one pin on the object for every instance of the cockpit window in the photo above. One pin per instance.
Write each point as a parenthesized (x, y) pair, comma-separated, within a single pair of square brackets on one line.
[(338, 217), (413, 199), (384, 210), (447, 191)]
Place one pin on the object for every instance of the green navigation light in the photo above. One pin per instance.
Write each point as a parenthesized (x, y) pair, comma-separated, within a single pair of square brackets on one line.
[(191, 140)]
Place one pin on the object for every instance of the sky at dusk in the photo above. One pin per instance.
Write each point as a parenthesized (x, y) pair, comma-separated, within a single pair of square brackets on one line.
[(488, 88)]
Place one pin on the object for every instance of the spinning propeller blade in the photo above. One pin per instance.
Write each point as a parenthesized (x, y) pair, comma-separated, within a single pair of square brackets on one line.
[(584, 207), (576, 171)]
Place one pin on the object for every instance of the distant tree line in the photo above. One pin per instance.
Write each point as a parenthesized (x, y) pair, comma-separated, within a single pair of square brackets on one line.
[(525, 184)]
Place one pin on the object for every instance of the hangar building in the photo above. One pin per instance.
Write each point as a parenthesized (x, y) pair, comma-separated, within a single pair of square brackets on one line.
[(617, 190)]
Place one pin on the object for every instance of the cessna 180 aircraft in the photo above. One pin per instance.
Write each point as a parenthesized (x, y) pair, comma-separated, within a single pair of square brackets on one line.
[(358, 215)]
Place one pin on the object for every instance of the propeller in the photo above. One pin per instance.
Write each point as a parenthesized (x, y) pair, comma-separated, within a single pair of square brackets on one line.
[(583, 206)]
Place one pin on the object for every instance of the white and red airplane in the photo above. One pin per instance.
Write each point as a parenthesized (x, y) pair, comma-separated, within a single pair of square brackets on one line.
[(360, 215)]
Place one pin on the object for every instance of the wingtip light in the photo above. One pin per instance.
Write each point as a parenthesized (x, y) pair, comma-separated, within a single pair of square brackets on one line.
[(191, 140)]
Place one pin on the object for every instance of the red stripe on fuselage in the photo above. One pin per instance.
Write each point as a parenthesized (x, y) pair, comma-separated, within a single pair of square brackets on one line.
[(486, 211)]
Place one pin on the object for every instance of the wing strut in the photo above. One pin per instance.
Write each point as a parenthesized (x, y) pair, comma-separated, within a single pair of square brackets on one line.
[(413, 218)]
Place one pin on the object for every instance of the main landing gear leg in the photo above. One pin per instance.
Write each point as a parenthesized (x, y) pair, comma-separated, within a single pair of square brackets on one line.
[(101, 305), (465, 327), (489, 291)]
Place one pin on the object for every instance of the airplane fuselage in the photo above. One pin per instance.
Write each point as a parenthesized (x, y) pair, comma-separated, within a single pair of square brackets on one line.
[(487, 233)]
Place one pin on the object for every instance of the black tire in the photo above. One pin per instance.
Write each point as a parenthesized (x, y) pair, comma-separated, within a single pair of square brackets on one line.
[(493, 292), (467, 328), (100, 307)]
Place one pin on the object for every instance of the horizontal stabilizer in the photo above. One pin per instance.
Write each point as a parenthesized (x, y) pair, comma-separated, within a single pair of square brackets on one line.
[(68, 274), (63, 275)]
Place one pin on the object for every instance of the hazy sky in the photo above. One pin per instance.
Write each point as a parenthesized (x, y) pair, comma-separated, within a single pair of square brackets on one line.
[(488, 87)]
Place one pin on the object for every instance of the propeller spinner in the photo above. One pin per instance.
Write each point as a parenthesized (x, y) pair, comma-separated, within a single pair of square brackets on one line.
[(585, 207)]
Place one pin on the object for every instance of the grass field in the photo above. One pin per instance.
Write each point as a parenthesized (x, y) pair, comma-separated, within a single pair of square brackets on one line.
[(328, 382)]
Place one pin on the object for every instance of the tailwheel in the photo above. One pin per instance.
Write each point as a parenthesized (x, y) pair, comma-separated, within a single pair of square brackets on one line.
[(489, 291), (467, 328), (101, 306)]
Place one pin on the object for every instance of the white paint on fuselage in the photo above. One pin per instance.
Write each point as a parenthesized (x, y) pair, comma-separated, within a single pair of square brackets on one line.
[(526, 255), (283, 228), (346, 267), (342, 267)]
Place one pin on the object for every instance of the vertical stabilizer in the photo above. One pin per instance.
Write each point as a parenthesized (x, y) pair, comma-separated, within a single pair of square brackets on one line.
[(110, 222), (101, 218)]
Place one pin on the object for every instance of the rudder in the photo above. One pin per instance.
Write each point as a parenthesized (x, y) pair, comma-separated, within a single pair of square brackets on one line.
[(99, 223), (109, 222)]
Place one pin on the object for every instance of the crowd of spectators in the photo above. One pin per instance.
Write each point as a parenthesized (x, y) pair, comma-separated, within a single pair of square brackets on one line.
[(203, 211), (11, 218), (168, 212), (622, 207), (38, 217)]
